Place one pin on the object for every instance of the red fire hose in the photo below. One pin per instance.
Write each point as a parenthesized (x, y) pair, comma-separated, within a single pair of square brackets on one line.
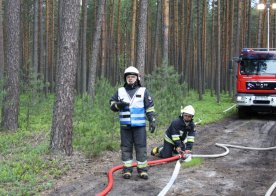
[(110, 172)]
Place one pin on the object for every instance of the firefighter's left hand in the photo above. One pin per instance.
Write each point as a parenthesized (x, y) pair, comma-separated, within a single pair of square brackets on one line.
[(152, 125)]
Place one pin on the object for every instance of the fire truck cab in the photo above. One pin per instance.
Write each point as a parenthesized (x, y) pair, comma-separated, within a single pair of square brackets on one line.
[(256, 81)]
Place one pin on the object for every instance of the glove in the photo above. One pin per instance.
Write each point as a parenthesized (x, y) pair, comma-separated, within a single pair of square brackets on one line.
[(180, 152), (183, 154), (187, 152), (121, 104), (152, 125)]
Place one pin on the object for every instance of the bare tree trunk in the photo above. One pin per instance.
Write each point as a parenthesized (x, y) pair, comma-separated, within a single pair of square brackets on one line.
[(166, 16), (188, 42), (218, 52), (96, 49), (41, 67), (248, 36), (176, 36), (103, 48), (11, 98), (62, 124), (133, 33), (46, 73), (204, 47), (118, 49), (35, 40), (84, 48), (157, 34), (260, 27), (237, 48), (2, 61), (232, 50), (213, 59), (25, 26), (199, 49), (52, 48), (111, 43), (142, 34)]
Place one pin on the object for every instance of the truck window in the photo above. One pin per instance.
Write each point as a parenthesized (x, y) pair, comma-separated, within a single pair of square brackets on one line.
[(258, 67)]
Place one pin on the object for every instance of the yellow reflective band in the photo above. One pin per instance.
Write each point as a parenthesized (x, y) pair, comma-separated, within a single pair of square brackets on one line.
[(190, 139), (168, 139), (150, 109), (175, 137), (127, 163), (142, 164)]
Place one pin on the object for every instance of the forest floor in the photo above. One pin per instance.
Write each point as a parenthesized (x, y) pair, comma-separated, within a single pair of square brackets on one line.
[(241, 172)]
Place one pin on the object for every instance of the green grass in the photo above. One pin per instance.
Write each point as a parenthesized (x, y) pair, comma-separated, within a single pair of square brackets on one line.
[(193, 163), (208, 110), (23, 167)]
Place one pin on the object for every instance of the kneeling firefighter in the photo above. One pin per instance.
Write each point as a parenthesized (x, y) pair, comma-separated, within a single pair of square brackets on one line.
[(179, 130), (134, 104)]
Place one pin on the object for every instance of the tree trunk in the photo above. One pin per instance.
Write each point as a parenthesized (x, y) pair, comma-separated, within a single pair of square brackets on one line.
[(118, 49), (157, 34), (176, 36), (41, 64), (35, 40), (84, 49), (248, 36), (46, 73), (199, 53), (133, 32), (111, 44), (188, 42), (141, 41), (62, 124), (232, 75), (2, 61), (204, 48), (218, 53), (237, 48), (260, 27), (11, 98), (103, 48), (96, 49), (166, 6)]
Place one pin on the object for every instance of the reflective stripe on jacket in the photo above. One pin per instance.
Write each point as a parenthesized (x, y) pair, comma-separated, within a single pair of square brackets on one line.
[(134, 115)]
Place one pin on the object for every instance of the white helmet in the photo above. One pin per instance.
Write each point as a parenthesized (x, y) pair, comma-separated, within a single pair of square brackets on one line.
[(131, 71), (188, 110)]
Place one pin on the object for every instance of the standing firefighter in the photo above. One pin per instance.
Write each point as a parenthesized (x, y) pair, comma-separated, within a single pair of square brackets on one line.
[(134, 104), (180, 129)]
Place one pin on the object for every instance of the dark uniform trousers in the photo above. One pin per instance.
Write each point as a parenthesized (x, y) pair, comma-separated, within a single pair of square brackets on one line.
[(166, 150), (136, 136)]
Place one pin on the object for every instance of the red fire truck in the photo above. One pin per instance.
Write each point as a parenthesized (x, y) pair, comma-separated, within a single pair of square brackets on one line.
[(256, 81)]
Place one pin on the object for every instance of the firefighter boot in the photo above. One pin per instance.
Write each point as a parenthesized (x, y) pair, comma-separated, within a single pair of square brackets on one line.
[(127, 172), (154, 151), (142, 173)]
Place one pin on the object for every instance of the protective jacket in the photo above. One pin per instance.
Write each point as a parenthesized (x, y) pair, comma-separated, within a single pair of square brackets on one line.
[(141, 105), (178, 131)]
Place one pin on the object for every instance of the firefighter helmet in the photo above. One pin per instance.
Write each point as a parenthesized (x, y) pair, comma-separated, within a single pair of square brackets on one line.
[(131, 71), (188, 110)]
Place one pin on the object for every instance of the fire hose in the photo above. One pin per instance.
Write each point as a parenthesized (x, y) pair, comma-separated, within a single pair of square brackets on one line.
[(178, 166), (110, 172)]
